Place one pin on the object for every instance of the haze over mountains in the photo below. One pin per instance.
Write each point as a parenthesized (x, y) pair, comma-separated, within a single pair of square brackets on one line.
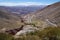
[(21, 9)]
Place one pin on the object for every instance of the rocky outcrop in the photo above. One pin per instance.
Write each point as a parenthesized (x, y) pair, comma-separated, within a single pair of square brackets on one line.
[(26, 29)]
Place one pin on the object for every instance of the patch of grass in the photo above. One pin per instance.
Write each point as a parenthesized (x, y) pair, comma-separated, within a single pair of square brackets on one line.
[(49, 33), (4, 36)]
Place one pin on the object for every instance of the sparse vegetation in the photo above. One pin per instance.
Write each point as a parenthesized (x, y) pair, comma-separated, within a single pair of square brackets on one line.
[(49, 33)]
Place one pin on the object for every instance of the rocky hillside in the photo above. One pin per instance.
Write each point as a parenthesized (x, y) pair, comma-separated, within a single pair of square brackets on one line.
[(35, 21), (49, 14)]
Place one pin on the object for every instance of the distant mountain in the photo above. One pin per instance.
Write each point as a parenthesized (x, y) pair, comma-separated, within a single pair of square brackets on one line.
[(49, 14), (21, 9)]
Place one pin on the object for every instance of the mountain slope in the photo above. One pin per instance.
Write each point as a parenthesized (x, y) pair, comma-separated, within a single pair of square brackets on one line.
[(8, 20), (50, 14)]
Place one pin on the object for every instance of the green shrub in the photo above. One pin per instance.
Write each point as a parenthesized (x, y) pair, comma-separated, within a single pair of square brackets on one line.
[(4, 36), (50, 33)]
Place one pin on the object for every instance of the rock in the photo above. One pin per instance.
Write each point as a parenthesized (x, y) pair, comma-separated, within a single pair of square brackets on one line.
[(26, 29)]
